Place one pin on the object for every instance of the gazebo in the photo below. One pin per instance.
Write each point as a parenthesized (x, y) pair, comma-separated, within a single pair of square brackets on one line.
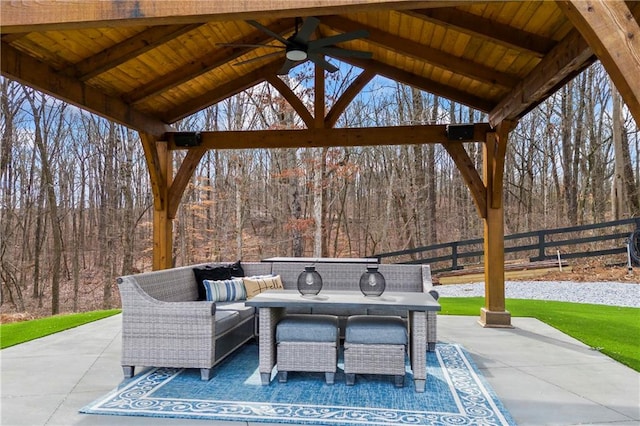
[(146, 64)]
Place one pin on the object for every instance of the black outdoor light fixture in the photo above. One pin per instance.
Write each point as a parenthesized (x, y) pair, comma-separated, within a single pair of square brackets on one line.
[(309, 281), (372, 282), (459, 132), (187, 139)]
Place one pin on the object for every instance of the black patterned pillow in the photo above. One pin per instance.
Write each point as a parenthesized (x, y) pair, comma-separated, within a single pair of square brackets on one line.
[(216, 273)]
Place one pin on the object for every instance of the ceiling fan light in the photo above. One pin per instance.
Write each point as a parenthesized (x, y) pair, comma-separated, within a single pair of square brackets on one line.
[(296, 54)]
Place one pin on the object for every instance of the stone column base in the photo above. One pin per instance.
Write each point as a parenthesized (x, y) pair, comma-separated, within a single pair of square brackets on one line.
[(495, 319)]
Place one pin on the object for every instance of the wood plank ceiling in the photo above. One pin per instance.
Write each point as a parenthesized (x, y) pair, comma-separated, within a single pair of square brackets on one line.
[(148, 64)]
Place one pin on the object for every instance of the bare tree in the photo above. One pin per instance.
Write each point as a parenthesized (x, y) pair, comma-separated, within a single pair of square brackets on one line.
[(42, 129)]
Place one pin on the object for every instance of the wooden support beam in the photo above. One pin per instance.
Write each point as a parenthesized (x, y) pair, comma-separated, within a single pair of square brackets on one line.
[(224, 91), (477, 26), (126, 50), (292, 98), (613, 33), (494, 313), (159, 165), (347, 96), (182, 177), (498, 162), (157, 177), (325, 137), (422, 83), (469, 174), (319, 98), (568, 58), (40, 76), (412, 49), (204, 64), (28, 16)]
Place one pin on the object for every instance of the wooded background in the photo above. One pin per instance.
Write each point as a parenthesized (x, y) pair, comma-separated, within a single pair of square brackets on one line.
[(76, 204)]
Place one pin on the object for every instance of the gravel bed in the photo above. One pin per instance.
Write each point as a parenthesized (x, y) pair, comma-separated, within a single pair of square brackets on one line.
[(600, 293)]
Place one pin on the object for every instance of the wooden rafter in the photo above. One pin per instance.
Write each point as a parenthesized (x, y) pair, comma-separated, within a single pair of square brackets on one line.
[(330, 137), (292, 98), (477, 26), (469, 174), (30, 16), (204, 64), (127, 49), (40, 76), (222, 92), (421, 83), (347, 96), (613, 33), (421, 52), (568, 58)]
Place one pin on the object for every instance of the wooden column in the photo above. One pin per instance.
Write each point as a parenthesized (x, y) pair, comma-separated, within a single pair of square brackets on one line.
[(494, 314), (167, 192), (159, 163)]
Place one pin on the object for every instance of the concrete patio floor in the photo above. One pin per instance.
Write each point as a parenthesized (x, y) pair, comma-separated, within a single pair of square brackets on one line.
[(542, 376)]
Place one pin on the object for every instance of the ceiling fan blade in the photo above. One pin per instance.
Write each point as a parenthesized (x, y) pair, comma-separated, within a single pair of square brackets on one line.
[(257, 58), (345, 53), (264, 29), (338, 38), (249, 45), (319, 60), (308, 27), (287, 66)]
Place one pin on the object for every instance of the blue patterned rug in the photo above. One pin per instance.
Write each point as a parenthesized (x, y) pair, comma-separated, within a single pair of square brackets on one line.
[(456, 394)]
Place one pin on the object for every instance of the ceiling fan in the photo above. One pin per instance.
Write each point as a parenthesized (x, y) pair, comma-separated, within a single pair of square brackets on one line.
[(299, 47)]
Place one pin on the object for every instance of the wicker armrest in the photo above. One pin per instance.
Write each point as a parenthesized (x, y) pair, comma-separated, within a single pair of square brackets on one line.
[(135, 299)]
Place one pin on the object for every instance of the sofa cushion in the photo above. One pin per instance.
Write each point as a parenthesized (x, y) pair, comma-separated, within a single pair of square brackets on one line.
[(216, 273), (226, 320), (255, 286), (225, 290), (239, 307)]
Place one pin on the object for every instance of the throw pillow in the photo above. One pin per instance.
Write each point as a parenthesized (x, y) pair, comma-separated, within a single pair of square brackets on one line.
[(216, 273), (255, 286), (225, 290)]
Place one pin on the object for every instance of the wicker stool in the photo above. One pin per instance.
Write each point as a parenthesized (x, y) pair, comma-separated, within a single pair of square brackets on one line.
[(307, 343), (375, 345)]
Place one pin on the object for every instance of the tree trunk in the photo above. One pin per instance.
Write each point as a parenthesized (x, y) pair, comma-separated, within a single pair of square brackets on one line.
[(568, 150), (128, 219), (48, 183), (318, 200), (624, 191)]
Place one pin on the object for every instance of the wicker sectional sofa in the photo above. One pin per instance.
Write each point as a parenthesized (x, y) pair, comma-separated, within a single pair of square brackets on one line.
[(165, 325)]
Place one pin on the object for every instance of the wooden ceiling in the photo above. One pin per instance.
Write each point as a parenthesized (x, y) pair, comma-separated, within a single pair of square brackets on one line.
[(147, 64)]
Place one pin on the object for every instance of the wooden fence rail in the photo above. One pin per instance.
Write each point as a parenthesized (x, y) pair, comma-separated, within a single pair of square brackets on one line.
[(575, 242)]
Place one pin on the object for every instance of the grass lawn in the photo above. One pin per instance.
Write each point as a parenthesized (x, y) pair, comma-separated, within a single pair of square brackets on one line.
[(20, 332), (613, 330)]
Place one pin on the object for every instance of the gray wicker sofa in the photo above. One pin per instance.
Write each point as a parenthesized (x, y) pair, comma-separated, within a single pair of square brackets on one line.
[(165, 325)]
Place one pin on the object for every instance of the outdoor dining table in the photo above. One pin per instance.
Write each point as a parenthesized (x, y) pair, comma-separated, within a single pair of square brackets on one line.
[(272, 305)]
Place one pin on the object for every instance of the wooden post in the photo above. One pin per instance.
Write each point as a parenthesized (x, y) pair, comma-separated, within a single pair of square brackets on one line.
[(160, 169), (494, 314), (162, 220)]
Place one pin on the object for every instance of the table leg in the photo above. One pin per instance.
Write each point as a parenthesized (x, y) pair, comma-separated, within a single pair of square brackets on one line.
[(418, 326), (267, 321)]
